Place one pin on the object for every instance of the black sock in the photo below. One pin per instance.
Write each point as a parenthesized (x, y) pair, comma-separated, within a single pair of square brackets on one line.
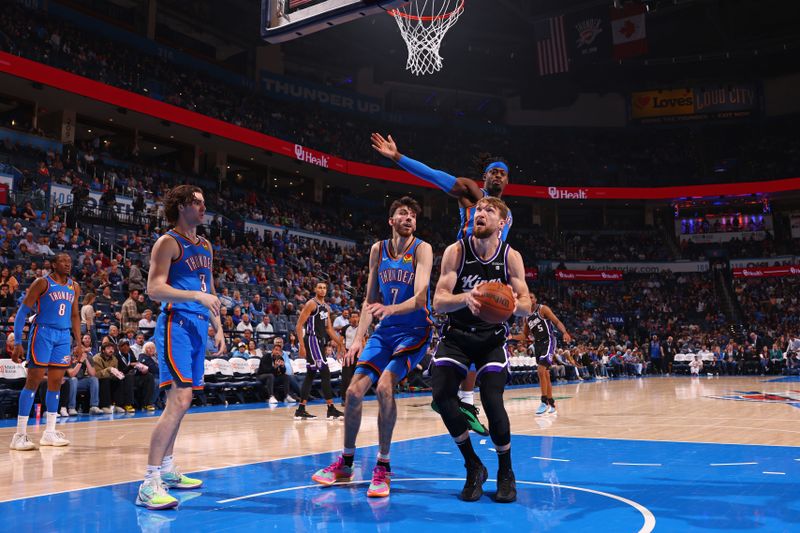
[(504, 460), (544, 399), (348, 459), (385, 464), (466, 449), (552, 402), (301, 407)]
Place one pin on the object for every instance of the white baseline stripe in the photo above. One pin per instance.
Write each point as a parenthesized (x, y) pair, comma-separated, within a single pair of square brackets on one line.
[(775, 473), (551, 459), (731, 464), (637, 464)]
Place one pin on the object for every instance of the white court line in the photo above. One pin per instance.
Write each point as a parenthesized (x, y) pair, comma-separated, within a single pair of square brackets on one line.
[(208, 469), (775, 473), (637, 464), (647, 527), (732, 464), (444, 453), (550, 459)]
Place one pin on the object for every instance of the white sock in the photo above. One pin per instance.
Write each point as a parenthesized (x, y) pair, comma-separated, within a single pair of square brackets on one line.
[(51, 421), (382, 457), (166, 464), (153, 472), (22, 425), (467, 396)]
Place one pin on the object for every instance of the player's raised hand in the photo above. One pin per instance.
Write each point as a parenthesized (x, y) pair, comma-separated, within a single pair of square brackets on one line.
[(18, 355), (385, 146), (353, 353), (209, 301)]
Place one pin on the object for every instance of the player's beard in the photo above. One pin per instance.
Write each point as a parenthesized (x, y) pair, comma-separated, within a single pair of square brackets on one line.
[(494, 189), (484, 232)]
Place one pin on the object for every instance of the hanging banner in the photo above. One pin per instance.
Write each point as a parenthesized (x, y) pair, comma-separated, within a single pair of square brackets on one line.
[(634, 268), (708, 102), (589, 275), (767, 272)]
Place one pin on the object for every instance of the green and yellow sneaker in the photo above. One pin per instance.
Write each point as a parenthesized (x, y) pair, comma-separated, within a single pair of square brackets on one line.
[(176, 480), (154, 496)]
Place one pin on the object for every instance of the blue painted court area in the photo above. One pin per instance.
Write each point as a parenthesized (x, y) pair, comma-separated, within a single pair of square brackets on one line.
[(564, 484)]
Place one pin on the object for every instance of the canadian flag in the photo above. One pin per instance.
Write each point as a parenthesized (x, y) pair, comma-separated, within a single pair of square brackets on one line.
[(628, 31)]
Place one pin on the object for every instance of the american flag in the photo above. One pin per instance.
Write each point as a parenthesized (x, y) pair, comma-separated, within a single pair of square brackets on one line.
[(551, 47)]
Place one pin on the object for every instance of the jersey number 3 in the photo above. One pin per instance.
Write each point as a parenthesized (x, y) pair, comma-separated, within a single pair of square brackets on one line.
[(203, 282)]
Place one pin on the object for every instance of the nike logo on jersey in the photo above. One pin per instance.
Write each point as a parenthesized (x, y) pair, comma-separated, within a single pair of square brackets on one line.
[(470, 262), (186, 245)]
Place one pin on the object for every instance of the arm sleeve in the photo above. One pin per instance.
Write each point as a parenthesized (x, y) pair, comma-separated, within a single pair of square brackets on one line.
[(443, 180), (19, 323)]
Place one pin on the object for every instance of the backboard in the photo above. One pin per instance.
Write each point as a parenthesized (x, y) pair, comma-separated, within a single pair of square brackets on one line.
[(283, 20)]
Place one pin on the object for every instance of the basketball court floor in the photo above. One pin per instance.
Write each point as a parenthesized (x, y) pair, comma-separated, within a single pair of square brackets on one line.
[(664, 454)]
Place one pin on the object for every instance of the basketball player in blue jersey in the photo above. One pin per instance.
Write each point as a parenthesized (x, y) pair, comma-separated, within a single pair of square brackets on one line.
[(49, 347), (181, 279), (398, 295), (467, 192)]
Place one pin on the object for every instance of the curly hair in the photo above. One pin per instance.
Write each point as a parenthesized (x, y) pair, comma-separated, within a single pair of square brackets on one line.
[(177, 196), (405, 201)]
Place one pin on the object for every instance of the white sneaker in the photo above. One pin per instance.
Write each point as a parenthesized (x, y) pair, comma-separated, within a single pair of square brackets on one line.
[(118, 409), (107, 410), (73, 412), (552, 411), (63, 412), (21, 442), (272, 399), (290, 399), (53, 438), (94, 410)]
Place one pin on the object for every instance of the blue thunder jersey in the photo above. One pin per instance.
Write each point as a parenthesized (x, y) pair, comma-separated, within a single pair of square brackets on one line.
[(468, 221), (54, 307), (396, 282), (190, 272)]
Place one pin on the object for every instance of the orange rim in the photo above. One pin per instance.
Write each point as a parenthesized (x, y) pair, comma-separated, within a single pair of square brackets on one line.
[(398, 13)]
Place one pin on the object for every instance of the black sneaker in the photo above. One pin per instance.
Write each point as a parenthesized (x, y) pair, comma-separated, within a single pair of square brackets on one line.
[(334, 413), (302, 414), (473, 487), (472, 412), (506, 487)]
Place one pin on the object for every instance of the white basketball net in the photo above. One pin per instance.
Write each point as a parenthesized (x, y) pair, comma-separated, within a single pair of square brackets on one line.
[(423, 24)]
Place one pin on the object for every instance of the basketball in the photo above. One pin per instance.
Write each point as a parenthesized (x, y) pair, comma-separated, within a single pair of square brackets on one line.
[(497, 302)]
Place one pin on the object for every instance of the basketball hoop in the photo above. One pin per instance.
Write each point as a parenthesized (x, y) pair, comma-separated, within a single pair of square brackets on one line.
[(423, 24)]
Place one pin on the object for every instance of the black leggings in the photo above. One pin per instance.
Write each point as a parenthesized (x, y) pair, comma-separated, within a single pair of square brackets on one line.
[(446, 381), (324, 375)]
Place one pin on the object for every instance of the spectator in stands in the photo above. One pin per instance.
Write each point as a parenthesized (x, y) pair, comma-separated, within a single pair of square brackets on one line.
[(292, 345), (240, 351), (244, 323), (236, 315), (146, 323), (776, 359), (253, 350), (291, 387), (9, 347), (81, 375), (225, 298), (115, 386), (136, 279), (44, 247), (731, 360), (137, 346), (241, 276), (7, 278), (342, 321), (264, 330), (130, 312), (143, 380), (257, 308), (696, 365), (266, 373), (7, 300), (105, 298), (113, 335), (349, 336), (149, 358)]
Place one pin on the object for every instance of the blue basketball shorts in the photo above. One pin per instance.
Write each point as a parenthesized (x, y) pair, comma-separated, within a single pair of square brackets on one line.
[(49, 347), (180, 339), (395, 350)]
